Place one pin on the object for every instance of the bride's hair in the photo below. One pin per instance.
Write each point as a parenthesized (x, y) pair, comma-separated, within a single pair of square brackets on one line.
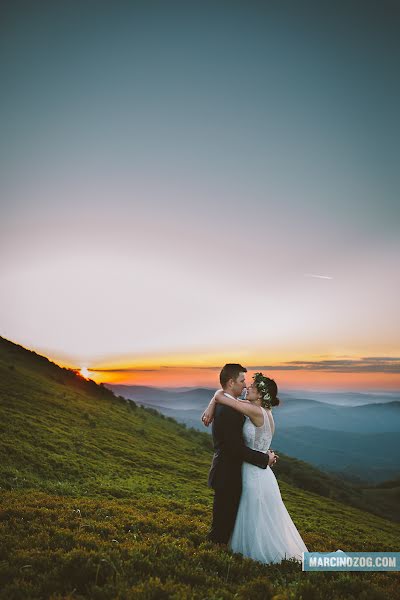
[(268, 389), (273, 391)]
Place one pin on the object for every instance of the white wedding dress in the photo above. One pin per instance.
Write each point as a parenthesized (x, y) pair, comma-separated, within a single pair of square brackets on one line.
[(264, 530)]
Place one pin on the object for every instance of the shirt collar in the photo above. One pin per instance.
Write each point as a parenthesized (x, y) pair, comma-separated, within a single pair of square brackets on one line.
[(229, 396)]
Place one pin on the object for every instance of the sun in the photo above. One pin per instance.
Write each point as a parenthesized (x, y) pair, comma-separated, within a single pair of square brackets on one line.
[(84, 372)]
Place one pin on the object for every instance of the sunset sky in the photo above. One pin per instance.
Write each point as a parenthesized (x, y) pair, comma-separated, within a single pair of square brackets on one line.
[(188, 184)]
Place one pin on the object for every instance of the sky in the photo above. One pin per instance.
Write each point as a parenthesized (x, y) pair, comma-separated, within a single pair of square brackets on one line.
[(188, 184)]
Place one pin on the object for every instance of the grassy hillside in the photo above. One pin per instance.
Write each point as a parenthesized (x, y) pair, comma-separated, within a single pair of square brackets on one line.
[(387, 495), (103, 499)]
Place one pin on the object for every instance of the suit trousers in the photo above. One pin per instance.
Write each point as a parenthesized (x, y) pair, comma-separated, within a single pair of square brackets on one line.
[(225, 507)]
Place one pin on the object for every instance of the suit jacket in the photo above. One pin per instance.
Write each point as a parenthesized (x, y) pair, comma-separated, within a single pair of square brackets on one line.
[(230, 450)]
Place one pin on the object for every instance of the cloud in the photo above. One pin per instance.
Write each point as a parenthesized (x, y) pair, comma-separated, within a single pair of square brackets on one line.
[(124, 370), (368, 364), (154, 370), (318, 276)]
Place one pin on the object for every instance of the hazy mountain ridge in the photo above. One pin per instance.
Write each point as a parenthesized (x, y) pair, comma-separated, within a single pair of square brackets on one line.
[(304, 427), (347, 399), (343, 452)]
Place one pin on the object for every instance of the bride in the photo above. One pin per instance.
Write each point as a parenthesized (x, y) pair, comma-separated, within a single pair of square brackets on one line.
[(264, 530)]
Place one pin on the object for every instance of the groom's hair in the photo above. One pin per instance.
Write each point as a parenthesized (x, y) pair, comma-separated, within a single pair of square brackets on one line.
[(230, 371)]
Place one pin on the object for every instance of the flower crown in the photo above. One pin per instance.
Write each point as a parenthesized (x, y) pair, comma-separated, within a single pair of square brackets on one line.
[(261, 383)]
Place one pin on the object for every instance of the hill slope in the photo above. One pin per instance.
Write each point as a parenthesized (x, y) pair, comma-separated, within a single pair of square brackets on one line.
[(103, 499)]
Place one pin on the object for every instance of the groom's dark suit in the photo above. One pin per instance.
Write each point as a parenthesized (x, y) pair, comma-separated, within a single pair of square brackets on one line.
[(225, 475)]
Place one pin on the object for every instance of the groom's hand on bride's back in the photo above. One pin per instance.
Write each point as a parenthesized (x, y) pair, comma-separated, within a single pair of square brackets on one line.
[(272, 458)]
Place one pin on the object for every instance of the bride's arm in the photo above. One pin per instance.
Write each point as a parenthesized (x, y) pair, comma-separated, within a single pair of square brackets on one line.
[(243, 406)]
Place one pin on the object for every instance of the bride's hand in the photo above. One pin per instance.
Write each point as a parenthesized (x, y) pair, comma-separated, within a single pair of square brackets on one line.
[(207, 416)]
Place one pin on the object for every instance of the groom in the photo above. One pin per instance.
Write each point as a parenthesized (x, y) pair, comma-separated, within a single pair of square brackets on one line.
[(225, 475)]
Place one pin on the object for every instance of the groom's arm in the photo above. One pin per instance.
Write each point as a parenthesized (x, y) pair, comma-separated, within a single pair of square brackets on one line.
[(229, 429)]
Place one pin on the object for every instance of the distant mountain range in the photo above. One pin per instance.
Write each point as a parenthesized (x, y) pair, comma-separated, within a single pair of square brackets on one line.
[(371, 458), (346, 398), (335, 431), (189, 397)]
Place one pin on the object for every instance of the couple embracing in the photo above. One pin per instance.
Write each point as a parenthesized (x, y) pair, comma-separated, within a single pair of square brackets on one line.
[(249, 516)]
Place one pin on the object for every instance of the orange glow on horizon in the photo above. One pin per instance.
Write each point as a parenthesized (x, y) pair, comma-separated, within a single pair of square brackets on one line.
[(286, 379), (202, 370)]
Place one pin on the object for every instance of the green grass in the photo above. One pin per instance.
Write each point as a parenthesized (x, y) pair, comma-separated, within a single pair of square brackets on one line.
[(102, 499)]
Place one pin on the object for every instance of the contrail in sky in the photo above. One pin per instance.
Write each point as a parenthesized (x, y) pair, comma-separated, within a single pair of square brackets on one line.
[(318, 276)]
